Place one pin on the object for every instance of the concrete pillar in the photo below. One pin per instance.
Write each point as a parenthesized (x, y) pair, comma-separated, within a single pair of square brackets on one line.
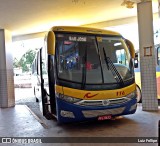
[(147, 56), (7, 98)]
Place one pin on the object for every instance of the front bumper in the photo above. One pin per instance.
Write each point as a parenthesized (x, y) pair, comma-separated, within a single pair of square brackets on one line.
[(67, 112)]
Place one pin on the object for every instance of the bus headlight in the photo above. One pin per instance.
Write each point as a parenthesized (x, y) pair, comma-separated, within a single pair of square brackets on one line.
[(131, 95), (69, 98)]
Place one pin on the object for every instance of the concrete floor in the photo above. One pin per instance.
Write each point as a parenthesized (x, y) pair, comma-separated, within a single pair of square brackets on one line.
[(19, 121)]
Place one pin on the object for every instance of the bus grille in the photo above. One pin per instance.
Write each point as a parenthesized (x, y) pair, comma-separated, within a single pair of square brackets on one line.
[(106, 102), (95, 113)]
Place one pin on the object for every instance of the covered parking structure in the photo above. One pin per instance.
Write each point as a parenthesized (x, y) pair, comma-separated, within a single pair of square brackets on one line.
[(9, 33)]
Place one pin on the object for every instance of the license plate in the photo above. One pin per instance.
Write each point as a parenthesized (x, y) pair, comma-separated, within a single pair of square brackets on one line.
[(101, 118)]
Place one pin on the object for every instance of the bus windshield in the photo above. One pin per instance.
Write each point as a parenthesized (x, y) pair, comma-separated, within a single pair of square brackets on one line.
[(82, 58)]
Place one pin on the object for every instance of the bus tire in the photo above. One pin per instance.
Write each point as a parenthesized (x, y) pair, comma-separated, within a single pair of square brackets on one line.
[(139, 94), (37, 100), (48, 116), (34, 91)]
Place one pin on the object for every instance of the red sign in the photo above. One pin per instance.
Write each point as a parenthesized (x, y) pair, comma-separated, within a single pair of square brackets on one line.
[(101, 118)]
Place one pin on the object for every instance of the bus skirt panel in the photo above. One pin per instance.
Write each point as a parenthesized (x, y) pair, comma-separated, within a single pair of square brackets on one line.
[(68, 112)]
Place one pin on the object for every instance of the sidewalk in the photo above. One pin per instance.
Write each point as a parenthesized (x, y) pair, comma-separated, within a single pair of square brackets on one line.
[(20, 122)]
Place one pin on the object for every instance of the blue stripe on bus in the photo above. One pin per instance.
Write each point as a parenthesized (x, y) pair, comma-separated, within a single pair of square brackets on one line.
[(77, 110)]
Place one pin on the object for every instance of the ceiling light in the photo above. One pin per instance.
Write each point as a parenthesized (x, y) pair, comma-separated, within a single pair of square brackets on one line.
[(128, 3)]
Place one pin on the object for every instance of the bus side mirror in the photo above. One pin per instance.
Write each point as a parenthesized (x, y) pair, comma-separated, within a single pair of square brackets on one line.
[(136, 60), (51, 43), (131, 48), (135, 63)]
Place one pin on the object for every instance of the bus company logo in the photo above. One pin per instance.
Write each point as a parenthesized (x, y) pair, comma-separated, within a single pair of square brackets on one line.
[(89, 95)]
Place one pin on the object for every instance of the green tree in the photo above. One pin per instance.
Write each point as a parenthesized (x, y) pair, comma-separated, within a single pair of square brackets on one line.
[(26, 60), (15, 63)]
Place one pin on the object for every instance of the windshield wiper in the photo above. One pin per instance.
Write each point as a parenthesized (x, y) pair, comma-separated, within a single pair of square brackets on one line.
[(106, 58), (113, 69), (84, 62)]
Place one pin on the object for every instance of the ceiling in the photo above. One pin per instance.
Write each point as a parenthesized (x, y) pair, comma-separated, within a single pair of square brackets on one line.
[(32, 16)]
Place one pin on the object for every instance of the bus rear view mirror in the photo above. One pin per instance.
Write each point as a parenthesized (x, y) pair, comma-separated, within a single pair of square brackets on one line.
[(135, 63), (136, 60), (131, 48), (51, 43)]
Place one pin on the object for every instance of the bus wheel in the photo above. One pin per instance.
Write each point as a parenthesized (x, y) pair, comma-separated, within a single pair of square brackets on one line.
[(48, 116), (139, 94), (34, 91), (37, 100)]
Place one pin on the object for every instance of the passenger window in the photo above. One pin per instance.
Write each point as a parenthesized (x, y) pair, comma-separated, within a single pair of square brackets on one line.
[(158, 56), (34, 66), (38, 63)]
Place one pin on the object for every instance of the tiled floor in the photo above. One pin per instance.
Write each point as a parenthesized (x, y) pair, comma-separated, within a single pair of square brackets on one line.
[(20, 122)]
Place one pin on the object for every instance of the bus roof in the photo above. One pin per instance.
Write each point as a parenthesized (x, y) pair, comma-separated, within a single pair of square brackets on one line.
[(83, 30)]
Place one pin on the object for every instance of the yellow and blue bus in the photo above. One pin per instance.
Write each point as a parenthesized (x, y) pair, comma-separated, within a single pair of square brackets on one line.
[(84, 74)]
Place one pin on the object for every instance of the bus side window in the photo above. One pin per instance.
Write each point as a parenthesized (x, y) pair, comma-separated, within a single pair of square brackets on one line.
[(38, 63), (158, 56), (34, 66)]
